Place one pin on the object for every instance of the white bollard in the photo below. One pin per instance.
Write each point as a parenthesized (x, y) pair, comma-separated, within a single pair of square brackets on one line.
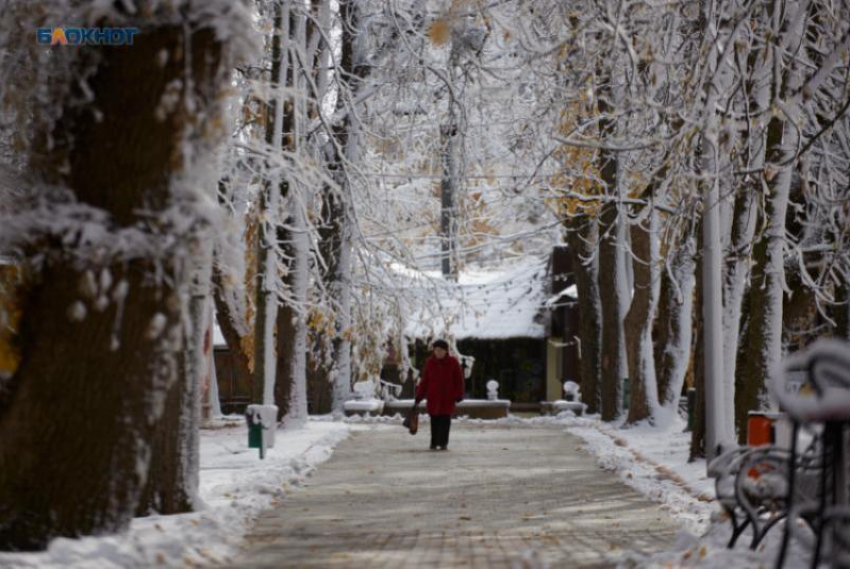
[(492, 390)]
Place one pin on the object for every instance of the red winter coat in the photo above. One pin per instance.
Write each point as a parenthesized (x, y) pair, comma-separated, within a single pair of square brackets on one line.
[(441, 385)]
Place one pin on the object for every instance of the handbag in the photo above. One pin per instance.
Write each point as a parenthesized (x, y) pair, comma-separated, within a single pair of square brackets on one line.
[(411, 422)]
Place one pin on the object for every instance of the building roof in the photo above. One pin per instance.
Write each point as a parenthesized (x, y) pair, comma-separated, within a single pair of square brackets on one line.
[(487, 305), (497, 304), (218, 337)]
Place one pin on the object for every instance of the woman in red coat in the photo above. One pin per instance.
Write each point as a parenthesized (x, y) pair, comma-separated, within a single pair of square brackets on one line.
[(442, 386)]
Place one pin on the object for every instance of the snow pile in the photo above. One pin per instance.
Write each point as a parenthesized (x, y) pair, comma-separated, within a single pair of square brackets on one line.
[(467, 403), (369, 419), (365, 405), (561, 405), (365, 400), (235, 487), (710, 551)]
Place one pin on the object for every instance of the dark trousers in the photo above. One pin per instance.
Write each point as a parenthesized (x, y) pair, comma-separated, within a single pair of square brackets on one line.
[(440, 425)]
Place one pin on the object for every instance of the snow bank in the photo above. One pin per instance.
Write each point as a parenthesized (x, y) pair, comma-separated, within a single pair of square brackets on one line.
[(235, 487), (467, 403), (368, 405)]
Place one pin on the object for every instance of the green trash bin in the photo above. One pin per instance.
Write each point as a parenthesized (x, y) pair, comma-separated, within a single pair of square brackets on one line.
[(260, 436), (255, 435)]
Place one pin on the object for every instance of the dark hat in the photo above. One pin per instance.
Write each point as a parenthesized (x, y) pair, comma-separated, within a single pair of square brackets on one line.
[(440, 344)]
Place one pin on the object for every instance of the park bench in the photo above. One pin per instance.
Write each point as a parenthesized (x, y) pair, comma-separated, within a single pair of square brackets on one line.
[(820, 408), (364, 402), (752, 485), (804, 481)]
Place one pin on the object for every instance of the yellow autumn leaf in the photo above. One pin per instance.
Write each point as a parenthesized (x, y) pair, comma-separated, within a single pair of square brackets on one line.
[(440, 32)]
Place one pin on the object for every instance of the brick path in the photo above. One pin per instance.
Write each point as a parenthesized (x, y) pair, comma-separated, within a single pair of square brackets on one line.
[(502, 496)]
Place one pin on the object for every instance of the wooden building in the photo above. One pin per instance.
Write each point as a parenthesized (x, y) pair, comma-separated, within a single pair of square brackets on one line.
[(519, 326)]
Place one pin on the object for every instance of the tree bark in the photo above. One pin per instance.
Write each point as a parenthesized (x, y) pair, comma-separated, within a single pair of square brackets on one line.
[(764, 333), (265, 305), (339, 204), (101, 336), (611, 368), (738, 256), (718, 426), (269, 369), (229, 326), (643, 398), (292, 234), (673, 346), (286, 333), (173, 475), (582, 239), (697, 449)]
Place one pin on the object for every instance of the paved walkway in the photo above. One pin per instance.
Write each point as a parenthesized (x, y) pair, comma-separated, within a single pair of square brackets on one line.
[(502, 496)]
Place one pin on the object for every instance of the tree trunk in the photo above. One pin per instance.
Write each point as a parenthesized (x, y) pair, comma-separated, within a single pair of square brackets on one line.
[(286, 334), (336, 249), (718, 424), (265, 304), (697, 450), (101, 333), (290, 393), (763, 337), (168, 488), (764, 333), (673, 346), (230, 326), (662, 332), (348, 139), (582, 239), (268, 365), (172, 483), (738, 256), (612, 367), (643, 398)]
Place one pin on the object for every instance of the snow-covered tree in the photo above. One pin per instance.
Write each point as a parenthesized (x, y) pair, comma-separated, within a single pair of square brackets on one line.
[(116, 163)]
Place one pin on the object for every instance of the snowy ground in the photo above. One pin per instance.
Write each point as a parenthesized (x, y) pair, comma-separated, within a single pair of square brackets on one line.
[(235, 486), (654, 461)]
